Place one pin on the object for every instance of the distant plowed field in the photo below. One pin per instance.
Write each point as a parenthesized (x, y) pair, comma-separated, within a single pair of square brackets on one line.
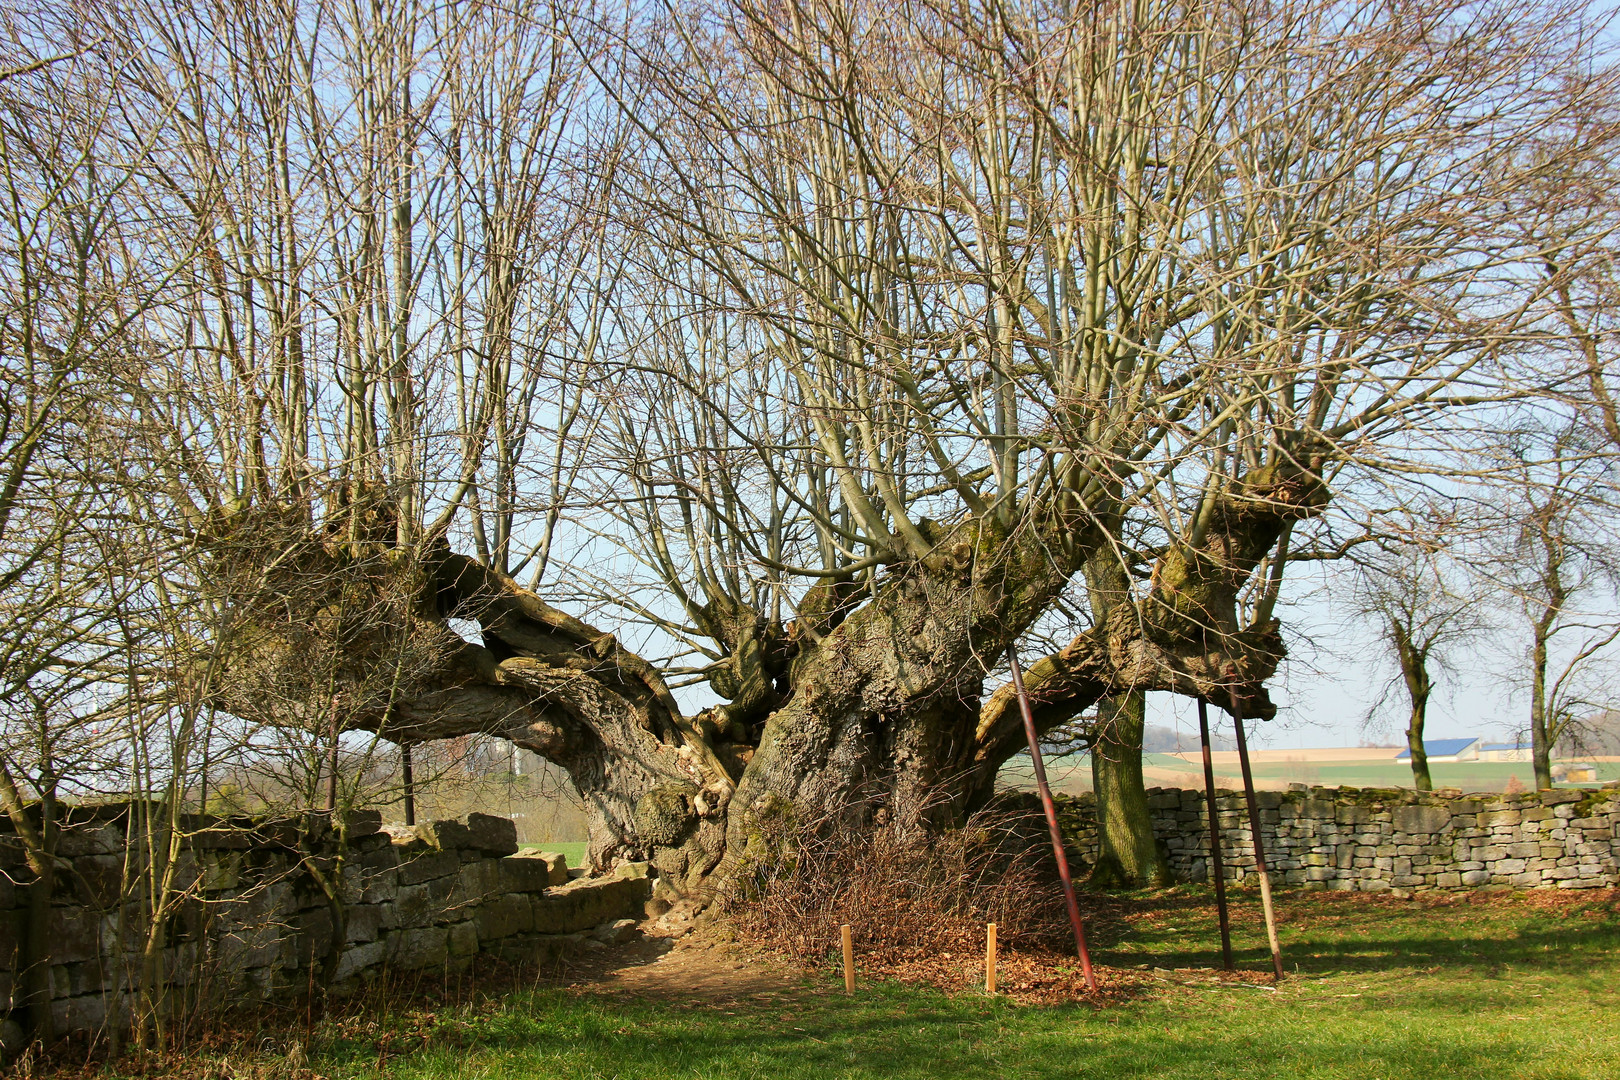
[(1279, 768)]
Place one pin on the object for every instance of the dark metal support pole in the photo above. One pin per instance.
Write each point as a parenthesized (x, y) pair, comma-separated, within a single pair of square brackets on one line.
[(410, 784), (1052, 820), (1216, 870), (1259, 842)]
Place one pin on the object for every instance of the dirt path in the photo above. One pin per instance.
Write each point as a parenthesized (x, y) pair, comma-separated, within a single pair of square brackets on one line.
[(698, 966)]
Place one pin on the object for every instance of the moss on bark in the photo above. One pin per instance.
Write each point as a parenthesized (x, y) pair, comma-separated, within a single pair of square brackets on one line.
[(1130, 856)]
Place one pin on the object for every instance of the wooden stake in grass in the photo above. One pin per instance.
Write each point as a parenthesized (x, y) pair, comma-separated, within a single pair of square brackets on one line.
[(990, 958), (849, 959)]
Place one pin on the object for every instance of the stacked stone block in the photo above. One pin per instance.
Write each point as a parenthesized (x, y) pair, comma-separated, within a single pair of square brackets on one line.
[(1372, 840), (254, 926)]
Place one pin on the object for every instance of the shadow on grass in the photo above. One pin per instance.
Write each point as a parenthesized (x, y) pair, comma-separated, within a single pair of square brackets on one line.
[(1340, 932), (910, 1033)]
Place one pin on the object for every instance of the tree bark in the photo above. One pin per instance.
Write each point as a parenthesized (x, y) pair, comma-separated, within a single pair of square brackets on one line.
[(1420, 758), (1130, 856), (1540, 744), (40, 842), (1415, 674), (1541, 632)]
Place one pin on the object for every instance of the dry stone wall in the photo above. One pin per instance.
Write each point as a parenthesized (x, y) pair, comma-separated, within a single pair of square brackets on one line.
[(1381, 839), (253, 924)]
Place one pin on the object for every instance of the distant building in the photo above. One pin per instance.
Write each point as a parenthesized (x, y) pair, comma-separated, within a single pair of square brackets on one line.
[(1505, 752), (1440, 751)]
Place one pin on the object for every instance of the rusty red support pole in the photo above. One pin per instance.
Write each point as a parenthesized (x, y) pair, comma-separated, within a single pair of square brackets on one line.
[(1259, 841), (1216, 870), (1051, 820)]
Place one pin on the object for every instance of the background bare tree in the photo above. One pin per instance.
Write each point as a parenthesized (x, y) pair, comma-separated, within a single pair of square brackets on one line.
[(1423, 610), (1558, 562), (73, 296)]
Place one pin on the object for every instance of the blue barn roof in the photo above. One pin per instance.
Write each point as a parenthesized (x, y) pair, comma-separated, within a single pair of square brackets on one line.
[(1439, 748)]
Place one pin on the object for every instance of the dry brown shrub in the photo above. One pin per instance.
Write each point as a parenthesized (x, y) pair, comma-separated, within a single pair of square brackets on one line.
[(905, 901)]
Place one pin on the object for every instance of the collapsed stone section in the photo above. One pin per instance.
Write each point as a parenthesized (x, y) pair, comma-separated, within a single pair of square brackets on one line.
[(1377, 839), (253, 926)]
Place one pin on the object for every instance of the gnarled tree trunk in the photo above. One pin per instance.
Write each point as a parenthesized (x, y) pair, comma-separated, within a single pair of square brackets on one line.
[(1130, 854), (866, 707)]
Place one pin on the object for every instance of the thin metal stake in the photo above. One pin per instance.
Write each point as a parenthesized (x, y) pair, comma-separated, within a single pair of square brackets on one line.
[(1052, 820), (1216, 869), (410, 784), (1259, 842)]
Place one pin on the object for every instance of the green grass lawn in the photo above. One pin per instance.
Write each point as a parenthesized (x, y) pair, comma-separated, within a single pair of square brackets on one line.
[(1518, 985), (1469, 776), (574, 852)]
